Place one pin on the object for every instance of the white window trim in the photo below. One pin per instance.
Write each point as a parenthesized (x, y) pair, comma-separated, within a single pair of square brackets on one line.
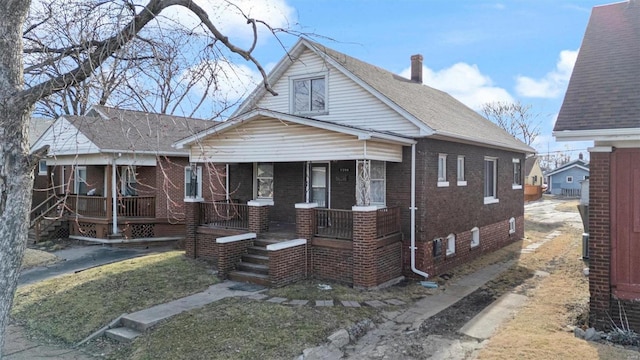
[(460, 165), (40, 171), (492, 199), (451, 245), (515, 186), (198, 179), (475, 237), (76, 183), (292, 107), (266, 200), (442, 183), (512, 225), (569, 179)]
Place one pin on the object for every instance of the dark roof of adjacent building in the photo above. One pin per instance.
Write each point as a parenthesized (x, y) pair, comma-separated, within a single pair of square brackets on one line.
[(129, 130), (604, 90)]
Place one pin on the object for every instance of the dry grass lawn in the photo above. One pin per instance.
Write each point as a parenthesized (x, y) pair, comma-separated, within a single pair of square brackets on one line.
[(33, 258)]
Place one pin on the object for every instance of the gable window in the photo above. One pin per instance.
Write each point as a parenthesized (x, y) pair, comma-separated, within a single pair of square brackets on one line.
[(442, 170), (309, 95), (264, 180), (128, 181), (517, 174), (512, 225), (42, 167), (490, 180), (80, 180), (378, 182), (475, 237), (451, 244), (462, 180), (569, 179), (193, 181), (586, 177)]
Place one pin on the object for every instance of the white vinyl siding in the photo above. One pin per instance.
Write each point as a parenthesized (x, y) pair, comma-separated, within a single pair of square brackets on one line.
[(272, 140), (347, 102), (65, 139)]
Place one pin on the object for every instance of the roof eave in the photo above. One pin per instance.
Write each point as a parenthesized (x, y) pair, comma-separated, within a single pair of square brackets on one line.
[(625, 134), (442, 135)]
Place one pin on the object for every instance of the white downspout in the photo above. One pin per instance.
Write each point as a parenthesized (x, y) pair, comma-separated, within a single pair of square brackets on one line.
[(114, 197), (413, 214), (227, 181)]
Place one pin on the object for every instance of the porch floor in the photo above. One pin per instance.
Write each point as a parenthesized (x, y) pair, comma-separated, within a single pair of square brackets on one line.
[(279, 231)]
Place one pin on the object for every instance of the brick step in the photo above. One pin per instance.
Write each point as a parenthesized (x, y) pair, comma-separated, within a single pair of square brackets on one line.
[(243, 276), (255, 259), (253, 268), (257, 250)]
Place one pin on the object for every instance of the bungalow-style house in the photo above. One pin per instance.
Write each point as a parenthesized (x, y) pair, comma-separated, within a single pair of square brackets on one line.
[(567, 179), (112, 176), (602, 104), (378, 175), (533, 178), (37, 126)]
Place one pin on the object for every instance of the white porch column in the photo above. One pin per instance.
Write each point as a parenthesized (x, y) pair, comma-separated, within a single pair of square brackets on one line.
[(363, 182), (114, 198)]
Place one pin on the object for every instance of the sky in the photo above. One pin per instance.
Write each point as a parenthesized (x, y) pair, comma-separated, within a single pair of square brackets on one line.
[(477, 51)]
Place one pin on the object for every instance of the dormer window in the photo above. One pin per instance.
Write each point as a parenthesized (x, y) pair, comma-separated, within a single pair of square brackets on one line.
[(309, 95)]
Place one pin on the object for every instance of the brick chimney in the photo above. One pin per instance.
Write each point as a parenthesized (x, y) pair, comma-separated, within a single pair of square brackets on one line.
[(580, 156), (416, 68)]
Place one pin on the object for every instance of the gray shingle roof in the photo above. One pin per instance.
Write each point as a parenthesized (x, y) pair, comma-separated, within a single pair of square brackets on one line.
[(437, 109), (37, 126), (604, 90), (136, 131)]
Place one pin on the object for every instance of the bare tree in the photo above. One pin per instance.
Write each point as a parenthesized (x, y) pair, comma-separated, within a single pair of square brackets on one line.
[(17, 101), (515, 118)]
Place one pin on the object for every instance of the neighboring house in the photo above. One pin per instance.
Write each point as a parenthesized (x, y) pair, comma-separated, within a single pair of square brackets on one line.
[(602, 104), (113, 174), (37, 126), (533, 179), (567, 179), (381, 175)]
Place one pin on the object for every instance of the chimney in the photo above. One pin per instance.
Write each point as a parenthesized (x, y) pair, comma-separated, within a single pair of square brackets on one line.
[(580, 156), (416, 68)]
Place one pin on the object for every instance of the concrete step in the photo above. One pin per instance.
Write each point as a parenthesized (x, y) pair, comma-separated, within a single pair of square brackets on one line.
[(242, 276), (257, 250), (264, 242), (255, 259), (122, 334), (253, 268), (136, 325)]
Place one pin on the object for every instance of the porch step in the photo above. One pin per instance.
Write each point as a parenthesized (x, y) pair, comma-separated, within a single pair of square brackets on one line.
[(250, 277), (257, 250), (255, 259), (122, 334), (264, 242), (253, 268)]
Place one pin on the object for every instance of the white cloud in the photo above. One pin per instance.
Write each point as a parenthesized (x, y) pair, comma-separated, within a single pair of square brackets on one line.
[(554, 83), (464, 82)]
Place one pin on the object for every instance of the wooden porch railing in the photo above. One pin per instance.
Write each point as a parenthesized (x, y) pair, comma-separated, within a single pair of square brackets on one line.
[(92, 206), (137, 206), (331, 223), (388, 221), (225, 214), (96, 206)]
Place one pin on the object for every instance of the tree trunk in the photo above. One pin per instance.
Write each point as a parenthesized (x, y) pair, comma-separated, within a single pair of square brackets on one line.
[(16, 168)]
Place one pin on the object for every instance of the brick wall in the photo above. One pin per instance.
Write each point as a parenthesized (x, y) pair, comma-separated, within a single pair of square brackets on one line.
[(332, 260), (599, 239), (388, 261), (364, 249), (206, 247), (259, 219), (146, 181), (229, 255), (287, 265)]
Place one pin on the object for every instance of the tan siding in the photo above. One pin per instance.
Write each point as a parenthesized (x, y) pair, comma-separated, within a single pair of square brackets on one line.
[(269, 139), (348, 103)]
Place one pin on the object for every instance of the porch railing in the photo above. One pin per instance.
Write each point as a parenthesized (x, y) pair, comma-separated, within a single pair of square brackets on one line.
[(92, 206), (137, 206), (225, 214), (337, 224), (388, 221)]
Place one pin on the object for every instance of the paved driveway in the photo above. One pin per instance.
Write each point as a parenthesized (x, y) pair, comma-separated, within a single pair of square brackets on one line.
[(545, 212)]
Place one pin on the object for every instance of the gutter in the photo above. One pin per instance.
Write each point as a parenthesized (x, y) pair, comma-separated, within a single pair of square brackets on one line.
[(413, 214)]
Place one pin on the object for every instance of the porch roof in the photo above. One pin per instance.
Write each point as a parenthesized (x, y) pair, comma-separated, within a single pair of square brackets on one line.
[(268, 136)]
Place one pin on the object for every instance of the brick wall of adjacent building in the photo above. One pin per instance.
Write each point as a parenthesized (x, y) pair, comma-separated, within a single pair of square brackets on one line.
[(287, 265)]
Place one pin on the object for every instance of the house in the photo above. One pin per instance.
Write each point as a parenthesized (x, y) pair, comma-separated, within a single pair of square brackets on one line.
[(602, 104), (567, 179), (112, 176), (37, 126), (378, 176), (533, 178)]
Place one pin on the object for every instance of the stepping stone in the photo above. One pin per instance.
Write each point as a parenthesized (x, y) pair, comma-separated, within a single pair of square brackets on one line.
[(324, 303), (298, 302), (352, 304), (375, 303), (395, 302), (257, 297), (277, 300)]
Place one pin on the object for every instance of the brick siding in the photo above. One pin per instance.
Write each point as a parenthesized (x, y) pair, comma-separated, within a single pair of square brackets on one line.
[(388, 261), (287, 265), (332, 260), (229, 255)]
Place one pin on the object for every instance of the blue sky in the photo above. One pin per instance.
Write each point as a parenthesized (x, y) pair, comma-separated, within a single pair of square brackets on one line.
[(478, 51)]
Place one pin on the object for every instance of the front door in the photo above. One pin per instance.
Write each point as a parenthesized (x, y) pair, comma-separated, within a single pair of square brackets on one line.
[(319, 187)]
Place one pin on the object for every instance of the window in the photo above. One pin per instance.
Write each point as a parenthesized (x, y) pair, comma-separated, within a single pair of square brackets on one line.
[(535, 180), (586, 177), (264, 181), (569, 179), (80, 180), (490, 180), (512, 226), (517, 174), (462, 180), (128, 181), (42, 167), (442, 170), (475, 237), (451, 244), (309, 95), (378, 182), (193, 181)]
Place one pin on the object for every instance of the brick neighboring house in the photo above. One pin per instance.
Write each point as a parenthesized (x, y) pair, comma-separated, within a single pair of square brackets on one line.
[(602, 104), (379, 175), (114, 177)]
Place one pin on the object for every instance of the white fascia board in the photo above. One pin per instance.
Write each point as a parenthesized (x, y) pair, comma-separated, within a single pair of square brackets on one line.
[(598, 135), (155, 153)]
